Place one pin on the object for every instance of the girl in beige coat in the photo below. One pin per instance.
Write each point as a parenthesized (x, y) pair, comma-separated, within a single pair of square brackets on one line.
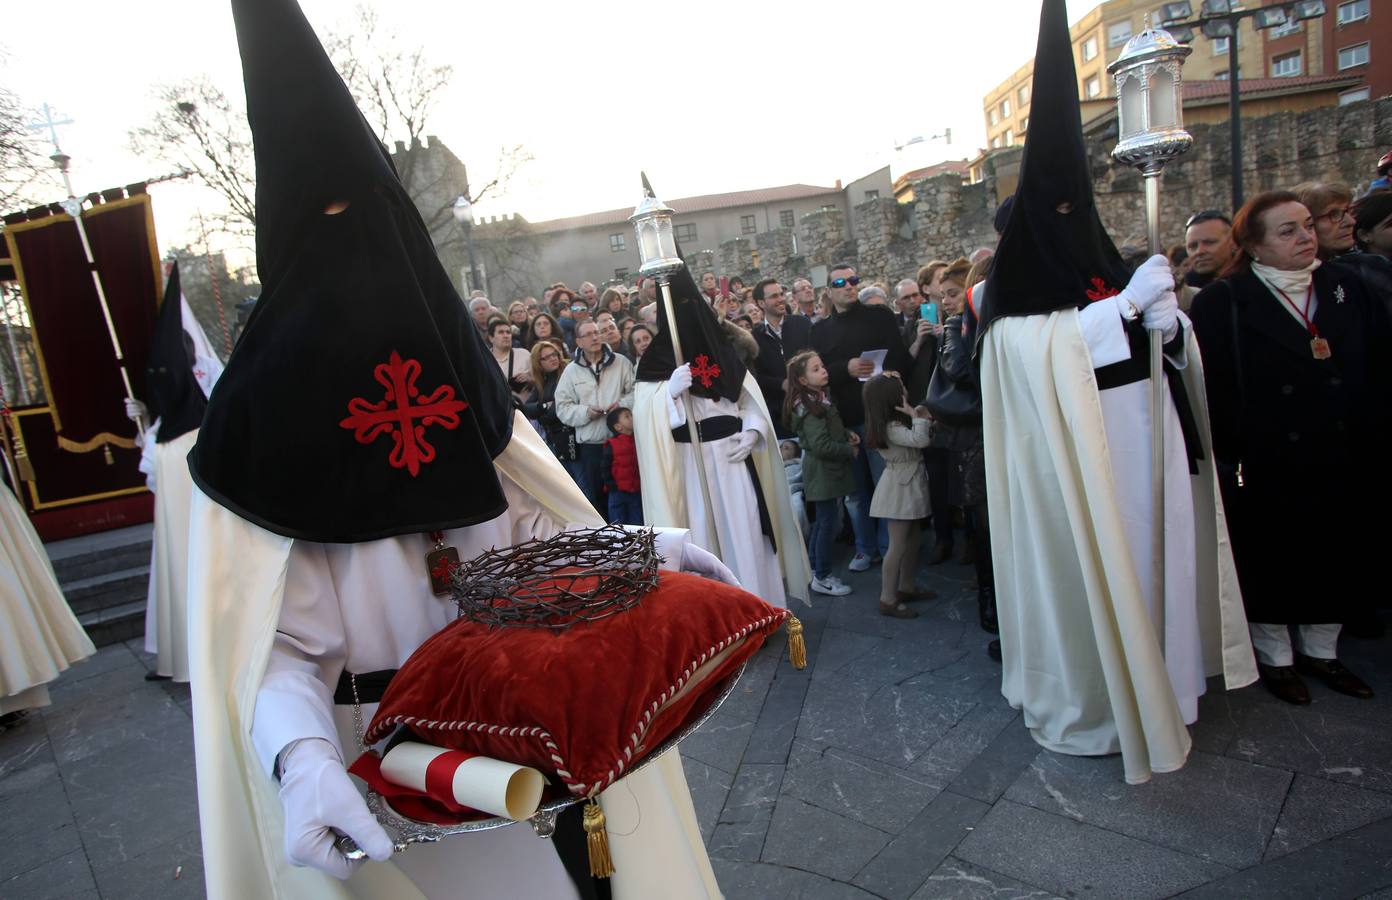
[(899, 432)]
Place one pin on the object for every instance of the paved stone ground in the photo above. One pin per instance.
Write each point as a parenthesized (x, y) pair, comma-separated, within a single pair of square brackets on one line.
[(890, 767)]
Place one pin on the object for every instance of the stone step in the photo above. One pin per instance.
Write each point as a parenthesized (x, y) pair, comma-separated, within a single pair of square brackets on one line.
[(108, 590), (114, 624), (91, 555)]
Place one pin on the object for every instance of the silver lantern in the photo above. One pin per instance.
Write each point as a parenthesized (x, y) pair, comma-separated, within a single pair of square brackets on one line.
[(1150, 112), (657, 242), (1150, 133)]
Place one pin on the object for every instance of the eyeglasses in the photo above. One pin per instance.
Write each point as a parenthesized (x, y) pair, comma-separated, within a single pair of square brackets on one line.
[(1334, 216), (579, 308), (842, 282), (547, 357)]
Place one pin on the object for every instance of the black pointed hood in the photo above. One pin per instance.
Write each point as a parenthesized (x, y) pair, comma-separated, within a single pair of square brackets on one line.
[(716, 368), (175, 398), (360, 402), (1047, 260)]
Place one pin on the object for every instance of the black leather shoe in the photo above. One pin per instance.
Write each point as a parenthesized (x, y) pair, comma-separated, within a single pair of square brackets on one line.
[(1334, 675), (155, 676), (941, 554), (993, 650), (1284, 683), (986, 605)]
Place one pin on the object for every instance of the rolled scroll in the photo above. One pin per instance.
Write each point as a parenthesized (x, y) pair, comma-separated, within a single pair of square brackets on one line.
[(487, 785)]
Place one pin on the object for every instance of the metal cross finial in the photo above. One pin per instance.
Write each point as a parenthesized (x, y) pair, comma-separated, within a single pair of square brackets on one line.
[(647, 188), (50, 124)]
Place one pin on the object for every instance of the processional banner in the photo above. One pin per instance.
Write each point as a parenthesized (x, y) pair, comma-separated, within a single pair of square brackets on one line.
[(81, 445)]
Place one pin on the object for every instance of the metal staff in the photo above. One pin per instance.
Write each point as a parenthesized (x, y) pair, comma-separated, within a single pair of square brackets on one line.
[(1150, 122), (657, 248)]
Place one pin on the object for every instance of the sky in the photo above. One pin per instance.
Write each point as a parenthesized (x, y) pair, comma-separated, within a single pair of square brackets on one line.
[(716, 96)]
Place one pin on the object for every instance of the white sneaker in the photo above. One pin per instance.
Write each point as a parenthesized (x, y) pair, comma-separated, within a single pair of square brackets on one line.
[(859, 563), (829, 586)]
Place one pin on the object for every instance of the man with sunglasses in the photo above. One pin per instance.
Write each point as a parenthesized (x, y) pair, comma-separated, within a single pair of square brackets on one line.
[(1208, 241), (851, 330)]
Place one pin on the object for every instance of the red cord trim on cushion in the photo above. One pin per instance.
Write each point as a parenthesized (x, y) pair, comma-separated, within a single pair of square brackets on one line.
[(578, 788)]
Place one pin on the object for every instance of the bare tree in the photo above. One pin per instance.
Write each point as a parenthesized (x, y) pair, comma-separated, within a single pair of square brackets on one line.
[(511, 255), (198, 129), (396, 86), (24, 172)]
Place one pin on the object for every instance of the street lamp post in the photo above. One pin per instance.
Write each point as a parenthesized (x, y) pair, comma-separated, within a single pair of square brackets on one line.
[(1220, 19), (464, 215)]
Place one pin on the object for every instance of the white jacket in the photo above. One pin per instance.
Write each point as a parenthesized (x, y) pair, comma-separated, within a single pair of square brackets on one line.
[(579, 389)]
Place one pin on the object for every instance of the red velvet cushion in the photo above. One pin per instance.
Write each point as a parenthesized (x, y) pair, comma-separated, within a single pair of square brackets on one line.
[(587, 703)]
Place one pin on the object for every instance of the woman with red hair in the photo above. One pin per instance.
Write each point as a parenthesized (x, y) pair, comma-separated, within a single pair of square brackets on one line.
[(1299, 392)]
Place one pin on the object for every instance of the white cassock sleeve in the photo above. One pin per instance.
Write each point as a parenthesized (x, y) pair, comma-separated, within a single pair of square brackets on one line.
[(294, 700), (676, 412), (1104, 332)]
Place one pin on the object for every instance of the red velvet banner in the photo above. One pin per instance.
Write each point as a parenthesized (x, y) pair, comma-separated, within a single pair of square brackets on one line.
[(81, 444)]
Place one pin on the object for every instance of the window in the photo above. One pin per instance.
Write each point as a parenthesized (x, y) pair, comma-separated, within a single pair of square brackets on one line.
[(872, 195), (1024, 124), (993, 116), (1118, 33), (785, 218), (1090, 49), (1357, 55), (616, 243), (1009, 138), (995, 142), (1286, 65), (686, 233), (747, 225), (1023, 96), (1005, 108), (1354, 96), (620, 274), (1220, 46), (1291, 26), (1353, 12), (1221, 76), (1093, 87)]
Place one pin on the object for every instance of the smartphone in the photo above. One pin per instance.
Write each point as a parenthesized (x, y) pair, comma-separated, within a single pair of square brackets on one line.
[(928, 311), (725, 286)]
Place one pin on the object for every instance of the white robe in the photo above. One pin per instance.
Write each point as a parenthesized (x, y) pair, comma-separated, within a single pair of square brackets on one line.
[(166, 601), (672, 490), (275, 621), (1068, 472), (39, 635), (167, 476)]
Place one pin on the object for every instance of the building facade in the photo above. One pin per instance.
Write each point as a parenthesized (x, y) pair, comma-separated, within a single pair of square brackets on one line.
[(1353, 38), (599, 247), (1097, 40)]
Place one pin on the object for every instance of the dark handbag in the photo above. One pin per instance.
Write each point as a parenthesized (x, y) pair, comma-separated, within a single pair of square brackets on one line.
[(952, 402)]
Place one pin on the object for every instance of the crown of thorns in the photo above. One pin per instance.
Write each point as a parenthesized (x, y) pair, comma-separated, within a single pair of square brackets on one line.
[(575, 576)]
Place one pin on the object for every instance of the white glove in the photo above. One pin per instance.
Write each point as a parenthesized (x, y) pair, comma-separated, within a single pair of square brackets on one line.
[(136, 411), (743, 445), (1163, 315), (317, 796), (698, 561), (1153, 278), (680, 382)]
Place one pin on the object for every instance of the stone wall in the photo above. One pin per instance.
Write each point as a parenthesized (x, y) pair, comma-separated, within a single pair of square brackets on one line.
[(948, 219)]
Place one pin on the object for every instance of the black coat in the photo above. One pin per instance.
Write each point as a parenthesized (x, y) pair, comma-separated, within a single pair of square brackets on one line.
[(771, 366), (844, 336), (1310, 438)]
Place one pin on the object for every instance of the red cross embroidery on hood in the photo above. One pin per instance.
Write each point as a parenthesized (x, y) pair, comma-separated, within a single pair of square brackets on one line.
[(1100, 290), (704, 371), (396, 414)]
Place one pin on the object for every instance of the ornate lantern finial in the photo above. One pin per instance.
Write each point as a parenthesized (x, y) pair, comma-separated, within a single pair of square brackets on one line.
[(1150, 114), (657, 243)]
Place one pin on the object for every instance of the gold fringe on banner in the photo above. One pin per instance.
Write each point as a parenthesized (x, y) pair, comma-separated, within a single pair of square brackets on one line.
[(96, 443)]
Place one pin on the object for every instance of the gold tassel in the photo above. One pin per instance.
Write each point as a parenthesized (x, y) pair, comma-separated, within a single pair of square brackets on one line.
[(24, 465), (797, 647), (106, 451), (597, 839)]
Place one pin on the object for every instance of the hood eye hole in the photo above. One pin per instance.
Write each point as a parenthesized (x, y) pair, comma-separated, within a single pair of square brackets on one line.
[(335, 207)]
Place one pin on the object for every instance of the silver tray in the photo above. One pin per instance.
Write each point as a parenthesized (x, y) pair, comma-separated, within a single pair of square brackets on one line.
[(543, 821)]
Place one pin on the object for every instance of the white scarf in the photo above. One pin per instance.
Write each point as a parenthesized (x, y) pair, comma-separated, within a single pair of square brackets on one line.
[(1294, 283)]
